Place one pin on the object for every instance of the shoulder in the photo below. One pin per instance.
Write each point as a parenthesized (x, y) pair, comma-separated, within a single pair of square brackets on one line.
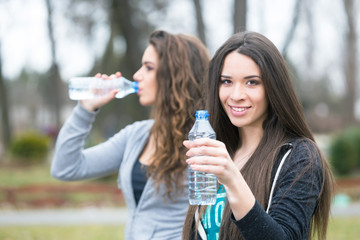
[(304, 148), (304, 158)]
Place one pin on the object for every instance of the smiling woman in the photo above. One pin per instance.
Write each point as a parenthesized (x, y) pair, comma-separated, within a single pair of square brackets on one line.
[(265, 156)]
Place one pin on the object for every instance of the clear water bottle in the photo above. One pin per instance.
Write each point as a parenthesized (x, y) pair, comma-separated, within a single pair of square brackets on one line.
[(92, 87), (202, 186)]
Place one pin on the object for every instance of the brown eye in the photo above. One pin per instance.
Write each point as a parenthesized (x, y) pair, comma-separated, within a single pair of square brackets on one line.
[(225, 81), (253, 82)]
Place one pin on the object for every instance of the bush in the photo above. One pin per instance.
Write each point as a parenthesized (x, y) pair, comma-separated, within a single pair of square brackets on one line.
[(30, 147), (345, 151)]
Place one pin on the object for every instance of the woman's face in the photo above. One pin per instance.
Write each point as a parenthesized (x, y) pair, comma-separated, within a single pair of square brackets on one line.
[(242, 92), (146, 77)]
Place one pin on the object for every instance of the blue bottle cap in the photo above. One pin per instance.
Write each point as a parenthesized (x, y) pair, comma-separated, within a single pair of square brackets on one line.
[(135, 86), (202, 114)]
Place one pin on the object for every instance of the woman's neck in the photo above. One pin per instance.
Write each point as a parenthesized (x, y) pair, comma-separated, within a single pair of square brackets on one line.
[(250, 139)]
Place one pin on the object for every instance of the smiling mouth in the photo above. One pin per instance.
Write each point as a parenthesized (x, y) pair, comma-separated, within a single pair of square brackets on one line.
[(239, 109)]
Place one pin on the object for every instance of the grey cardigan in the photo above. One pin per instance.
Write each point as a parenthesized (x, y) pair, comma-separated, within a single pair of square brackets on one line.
[(154, 217)]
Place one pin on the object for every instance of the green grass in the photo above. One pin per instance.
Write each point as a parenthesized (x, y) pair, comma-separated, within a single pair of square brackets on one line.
[(16, 177), (19, 176), (34, 174), (87, 232), (11, 176), (342, 228), (339, 229)]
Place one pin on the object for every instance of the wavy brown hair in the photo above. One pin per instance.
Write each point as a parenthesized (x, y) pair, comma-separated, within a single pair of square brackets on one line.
[(285, 121), (183, 61)]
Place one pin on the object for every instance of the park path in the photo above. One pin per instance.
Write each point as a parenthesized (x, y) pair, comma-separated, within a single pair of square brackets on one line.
[(112, 216), (350, 210), (81, 216)]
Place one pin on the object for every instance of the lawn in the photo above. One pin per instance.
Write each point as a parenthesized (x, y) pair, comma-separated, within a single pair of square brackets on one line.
[(26, 177), (342, 228), (23, 175), (32, 186), (87, 232), (339, 229)]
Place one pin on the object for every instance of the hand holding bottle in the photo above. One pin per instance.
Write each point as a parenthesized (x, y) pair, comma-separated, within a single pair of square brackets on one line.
[(94, 103), (94, 92), (211, 156)]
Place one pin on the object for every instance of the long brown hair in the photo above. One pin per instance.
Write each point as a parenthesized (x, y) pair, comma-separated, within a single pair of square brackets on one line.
[(285, 121), (183, 61)]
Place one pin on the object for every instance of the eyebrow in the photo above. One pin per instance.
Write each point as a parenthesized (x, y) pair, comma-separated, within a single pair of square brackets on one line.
[(224, 76), (252, 76), (247, 77), (148, 62)]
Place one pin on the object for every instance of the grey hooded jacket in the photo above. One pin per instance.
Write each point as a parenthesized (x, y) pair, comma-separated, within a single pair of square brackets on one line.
[(154, 217)]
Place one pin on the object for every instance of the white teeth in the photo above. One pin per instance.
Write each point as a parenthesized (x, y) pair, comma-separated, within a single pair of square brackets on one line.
[(238, 109)]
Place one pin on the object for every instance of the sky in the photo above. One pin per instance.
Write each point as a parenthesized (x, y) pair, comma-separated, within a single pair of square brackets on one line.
[(24, 37)]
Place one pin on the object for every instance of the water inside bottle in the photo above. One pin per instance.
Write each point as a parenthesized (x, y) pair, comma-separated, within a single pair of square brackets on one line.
[(87, 88), (202, 188), (77, 93), (124, 92)]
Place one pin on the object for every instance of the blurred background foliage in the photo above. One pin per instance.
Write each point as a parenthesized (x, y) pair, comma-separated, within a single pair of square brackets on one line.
[(345, 152), (30, 147), (35, 104)]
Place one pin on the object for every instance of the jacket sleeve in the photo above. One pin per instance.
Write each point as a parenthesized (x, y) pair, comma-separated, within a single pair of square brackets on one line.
[(294, 201), (72, 162)]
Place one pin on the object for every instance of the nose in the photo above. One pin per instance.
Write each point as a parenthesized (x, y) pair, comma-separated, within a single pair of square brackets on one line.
[(137, 75), (238, 93)]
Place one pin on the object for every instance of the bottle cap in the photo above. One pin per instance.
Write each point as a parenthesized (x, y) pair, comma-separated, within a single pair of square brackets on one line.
[(135, 86), (202, 114)]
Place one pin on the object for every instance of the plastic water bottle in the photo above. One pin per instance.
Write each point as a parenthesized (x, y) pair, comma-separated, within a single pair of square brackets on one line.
[(93, 87), (202, 186)]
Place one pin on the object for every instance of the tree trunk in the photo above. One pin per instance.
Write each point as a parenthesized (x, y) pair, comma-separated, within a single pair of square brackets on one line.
[(350, 60), (200, 26), (240, 15), (123, 17), (56, 86), (291, 32), (310, 43), (5, 122)]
